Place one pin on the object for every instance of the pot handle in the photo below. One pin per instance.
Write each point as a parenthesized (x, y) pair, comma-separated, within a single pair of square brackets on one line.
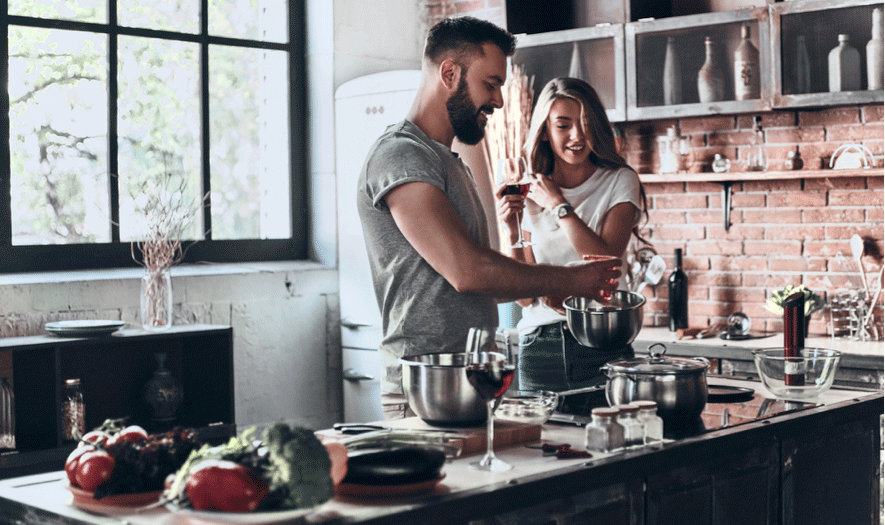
[(657, 355), (703, 360)]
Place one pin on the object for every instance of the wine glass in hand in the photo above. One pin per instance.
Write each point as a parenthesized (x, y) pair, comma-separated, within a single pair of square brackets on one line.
[(490, 370), (513, 173)]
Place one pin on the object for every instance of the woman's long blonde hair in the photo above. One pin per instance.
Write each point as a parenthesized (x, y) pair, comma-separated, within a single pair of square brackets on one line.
[(594, 124)]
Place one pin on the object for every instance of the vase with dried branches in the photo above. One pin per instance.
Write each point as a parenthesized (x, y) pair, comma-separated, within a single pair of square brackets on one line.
[(507, 128), (168, 210)]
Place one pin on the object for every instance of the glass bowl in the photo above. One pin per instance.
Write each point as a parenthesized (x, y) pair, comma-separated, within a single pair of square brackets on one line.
[(816, 365), (533, 408)]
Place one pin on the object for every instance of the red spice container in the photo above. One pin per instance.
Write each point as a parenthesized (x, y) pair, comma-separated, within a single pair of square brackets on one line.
[(794, 339)]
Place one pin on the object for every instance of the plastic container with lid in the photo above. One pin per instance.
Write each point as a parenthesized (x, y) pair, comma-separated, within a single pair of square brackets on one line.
[(652, 424), (604, 433), (628, 417)]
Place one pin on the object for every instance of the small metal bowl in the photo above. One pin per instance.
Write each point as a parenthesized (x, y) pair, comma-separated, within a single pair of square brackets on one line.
[(610, 326), (533, 408), (437, 389), (816, 366)]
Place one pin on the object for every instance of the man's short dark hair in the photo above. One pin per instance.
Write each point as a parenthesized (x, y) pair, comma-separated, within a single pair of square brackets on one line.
[(465, 35)]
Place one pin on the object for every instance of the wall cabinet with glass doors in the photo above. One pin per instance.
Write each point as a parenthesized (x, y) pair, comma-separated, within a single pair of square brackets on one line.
[(629, 66)]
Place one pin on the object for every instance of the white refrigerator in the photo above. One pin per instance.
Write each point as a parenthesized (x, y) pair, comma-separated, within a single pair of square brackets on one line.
[(364, 107)]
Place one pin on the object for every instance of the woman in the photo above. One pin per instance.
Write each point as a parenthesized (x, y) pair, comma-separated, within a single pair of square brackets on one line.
[(584, 200)]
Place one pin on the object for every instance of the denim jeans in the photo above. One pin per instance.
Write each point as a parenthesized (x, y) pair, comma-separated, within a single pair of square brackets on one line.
[(551, 359)]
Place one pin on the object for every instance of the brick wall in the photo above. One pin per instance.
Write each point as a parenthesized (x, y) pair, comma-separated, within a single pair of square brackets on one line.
[(782, 231)]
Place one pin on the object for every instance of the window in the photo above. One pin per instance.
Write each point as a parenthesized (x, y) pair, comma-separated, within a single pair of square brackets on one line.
[(113, 101)]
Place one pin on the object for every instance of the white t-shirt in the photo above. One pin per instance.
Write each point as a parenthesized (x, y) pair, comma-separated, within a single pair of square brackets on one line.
[(592, 200)]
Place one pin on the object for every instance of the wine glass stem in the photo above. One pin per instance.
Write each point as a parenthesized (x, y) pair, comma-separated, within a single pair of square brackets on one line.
[(519, 227), (490, 434)]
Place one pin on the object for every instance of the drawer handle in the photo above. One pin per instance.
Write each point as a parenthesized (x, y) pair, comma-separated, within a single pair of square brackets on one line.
[(354, 325), (353, 375)]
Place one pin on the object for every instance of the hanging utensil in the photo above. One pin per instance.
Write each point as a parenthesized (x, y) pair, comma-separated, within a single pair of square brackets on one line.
[(857, 250), (654, 272)]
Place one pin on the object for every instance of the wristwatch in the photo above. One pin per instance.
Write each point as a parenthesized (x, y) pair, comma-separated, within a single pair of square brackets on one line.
[(562, 210)]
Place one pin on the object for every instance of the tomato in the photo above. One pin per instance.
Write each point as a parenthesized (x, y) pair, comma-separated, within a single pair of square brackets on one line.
[(96, 436), (73, 460), (93, 469), (133, 434), (226, 486)]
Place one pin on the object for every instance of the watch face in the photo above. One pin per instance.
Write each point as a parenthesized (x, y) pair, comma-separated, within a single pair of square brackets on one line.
[(562, 211)]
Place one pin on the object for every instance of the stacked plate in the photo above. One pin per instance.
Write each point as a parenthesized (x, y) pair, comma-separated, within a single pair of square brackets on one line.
[(84, 328)]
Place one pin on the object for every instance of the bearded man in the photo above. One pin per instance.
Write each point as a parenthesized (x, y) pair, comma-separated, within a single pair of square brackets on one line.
[(434, 272)]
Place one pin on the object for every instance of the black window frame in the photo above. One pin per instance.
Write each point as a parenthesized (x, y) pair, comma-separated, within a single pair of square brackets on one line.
[(117, 254)]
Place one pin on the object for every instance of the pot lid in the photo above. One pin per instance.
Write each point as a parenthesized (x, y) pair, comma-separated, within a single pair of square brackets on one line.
[(657, 363)]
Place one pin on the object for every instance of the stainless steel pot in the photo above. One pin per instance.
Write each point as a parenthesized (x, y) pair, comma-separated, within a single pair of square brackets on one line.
[(610, 326), (678, 385), (437, 389)]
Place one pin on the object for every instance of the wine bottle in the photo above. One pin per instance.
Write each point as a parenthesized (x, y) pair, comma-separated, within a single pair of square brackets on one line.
[(678, 288), (746, 68)]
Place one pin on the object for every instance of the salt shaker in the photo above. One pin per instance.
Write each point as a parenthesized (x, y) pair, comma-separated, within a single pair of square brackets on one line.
[(628, 417), (653, 425), (73, 411), (604, 433)]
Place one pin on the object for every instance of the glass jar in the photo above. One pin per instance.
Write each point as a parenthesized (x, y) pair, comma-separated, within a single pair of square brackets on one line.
[(652, 424), (628, 417), (720, 163), (73, 416), (604, 433)]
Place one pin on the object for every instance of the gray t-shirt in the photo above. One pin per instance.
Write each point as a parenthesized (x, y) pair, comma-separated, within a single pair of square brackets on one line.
[(421, 312)]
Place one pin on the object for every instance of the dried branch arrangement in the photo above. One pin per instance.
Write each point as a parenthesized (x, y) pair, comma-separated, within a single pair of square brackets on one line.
[(507, 127)]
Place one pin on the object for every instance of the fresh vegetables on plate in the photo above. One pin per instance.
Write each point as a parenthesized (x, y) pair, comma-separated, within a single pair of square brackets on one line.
[(115, 459), (288, 469)]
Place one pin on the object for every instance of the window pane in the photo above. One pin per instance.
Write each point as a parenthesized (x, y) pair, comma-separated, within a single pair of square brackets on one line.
[(158, 131), (80, 10), (168, 15), (58, 136), (253, 19), (249, 148)]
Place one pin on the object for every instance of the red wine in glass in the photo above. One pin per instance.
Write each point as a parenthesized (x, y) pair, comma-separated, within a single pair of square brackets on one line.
[(490, 379), (517, 189)]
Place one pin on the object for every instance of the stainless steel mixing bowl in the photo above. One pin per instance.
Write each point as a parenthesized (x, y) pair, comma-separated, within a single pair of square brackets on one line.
[(609, 326), (437, 389)]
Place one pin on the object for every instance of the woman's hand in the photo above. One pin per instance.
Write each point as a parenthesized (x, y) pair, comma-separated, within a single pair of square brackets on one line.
[(546, 193), (510, 207)]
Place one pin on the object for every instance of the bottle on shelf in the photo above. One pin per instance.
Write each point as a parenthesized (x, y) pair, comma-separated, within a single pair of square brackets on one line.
[(575, 70), (756, 158), (678, 295), (802, 67), (794, 161), (711, 82), (875, 53), (73, 416), (844, 67), (672, 74), (667, 146), (746, 68), (720, 163)]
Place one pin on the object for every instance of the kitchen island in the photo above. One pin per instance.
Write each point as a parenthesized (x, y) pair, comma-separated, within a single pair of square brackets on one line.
[(819, 464)]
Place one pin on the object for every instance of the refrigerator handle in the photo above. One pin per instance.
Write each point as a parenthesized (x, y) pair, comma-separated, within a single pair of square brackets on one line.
[(354, 376), (347, 322)]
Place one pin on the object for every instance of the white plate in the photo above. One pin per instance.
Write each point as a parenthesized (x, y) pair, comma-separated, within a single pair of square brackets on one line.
[(84, 328), (239, 518)]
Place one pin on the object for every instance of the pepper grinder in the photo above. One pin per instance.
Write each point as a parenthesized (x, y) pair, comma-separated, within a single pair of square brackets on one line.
[(794, 339)]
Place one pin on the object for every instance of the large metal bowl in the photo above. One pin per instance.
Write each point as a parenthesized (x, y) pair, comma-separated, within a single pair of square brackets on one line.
[(437, 389), (610, 326)]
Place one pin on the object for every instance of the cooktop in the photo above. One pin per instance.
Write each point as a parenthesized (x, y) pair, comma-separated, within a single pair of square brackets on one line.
[(726, 407)]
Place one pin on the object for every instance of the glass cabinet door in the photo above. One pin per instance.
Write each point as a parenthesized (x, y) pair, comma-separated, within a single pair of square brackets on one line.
[(594, 54), (689, 65), (804, 32)]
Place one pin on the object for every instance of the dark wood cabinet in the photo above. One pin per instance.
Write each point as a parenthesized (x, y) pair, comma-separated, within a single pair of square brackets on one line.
[(113, 371)]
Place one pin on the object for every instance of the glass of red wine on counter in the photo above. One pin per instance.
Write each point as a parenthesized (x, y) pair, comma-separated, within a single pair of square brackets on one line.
[(513, 173), (490, 368)]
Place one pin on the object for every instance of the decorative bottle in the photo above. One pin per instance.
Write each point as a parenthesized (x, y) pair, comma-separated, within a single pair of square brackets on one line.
[(756, 158), (672, 74), (874, 53), (803, 67), (844, 67), (162, 392), (711, 84), (746, 68), (575, 70), (678, 295), (73, 416)]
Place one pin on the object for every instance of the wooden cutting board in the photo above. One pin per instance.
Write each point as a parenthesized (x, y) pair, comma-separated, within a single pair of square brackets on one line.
[(507, 433)]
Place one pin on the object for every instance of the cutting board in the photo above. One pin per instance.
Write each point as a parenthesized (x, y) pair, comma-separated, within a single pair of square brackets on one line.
[(507, 433)]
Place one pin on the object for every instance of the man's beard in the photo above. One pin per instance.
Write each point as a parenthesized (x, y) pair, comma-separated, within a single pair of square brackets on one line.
[(464, 115)]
